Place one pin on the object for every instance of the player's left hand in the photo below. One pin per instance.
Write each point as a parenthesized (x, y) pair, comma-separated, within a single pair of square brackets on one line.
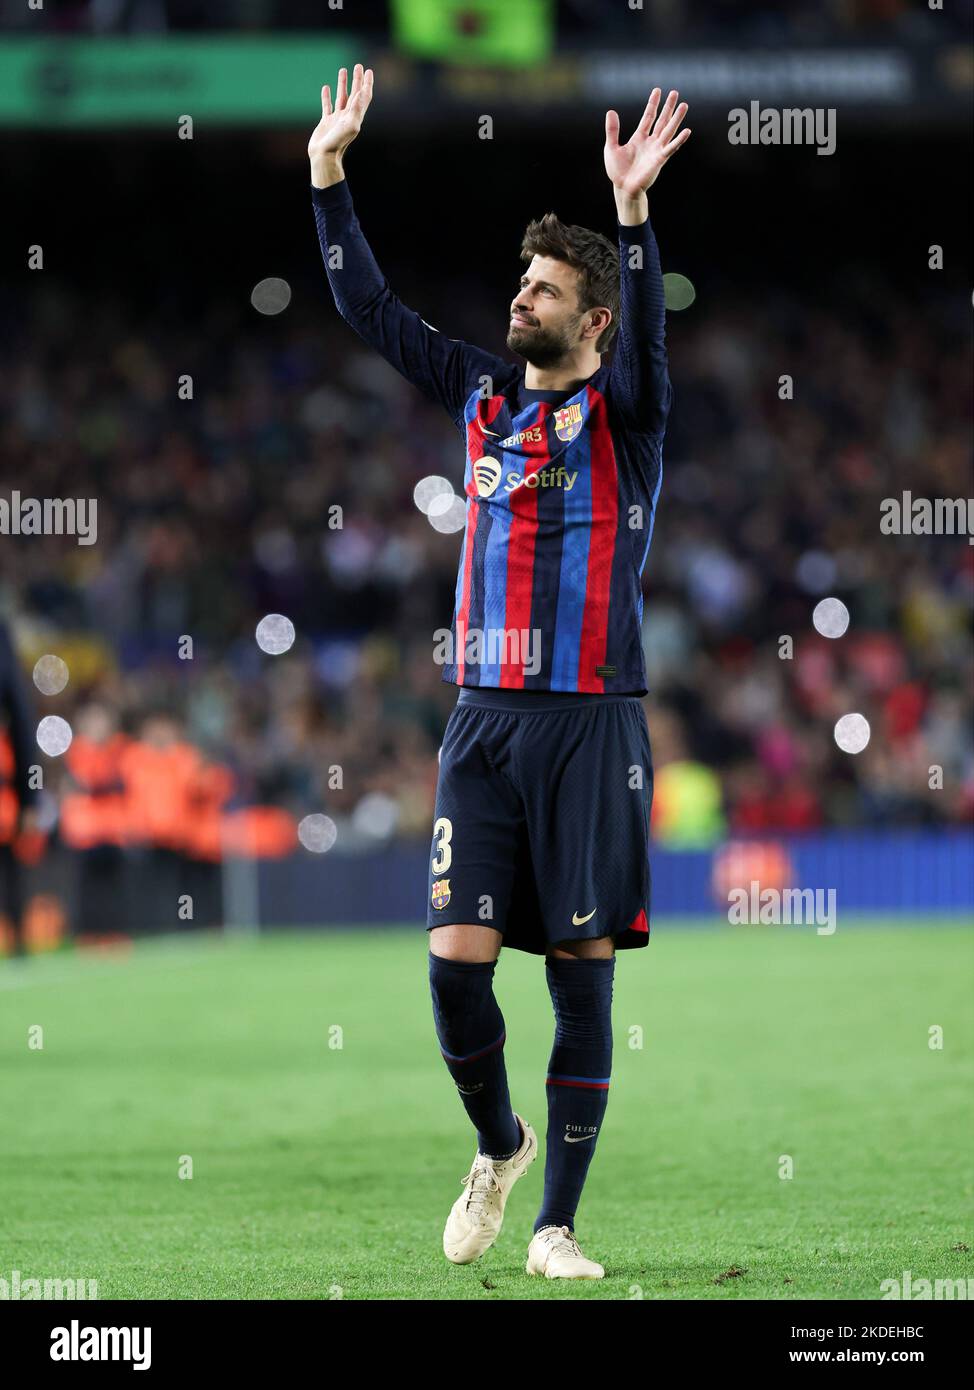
[(635, 166)]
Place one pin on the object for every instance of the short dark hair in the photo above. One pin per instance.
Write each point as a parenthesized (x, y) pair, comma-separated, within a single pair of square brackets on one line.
[(592, 255)]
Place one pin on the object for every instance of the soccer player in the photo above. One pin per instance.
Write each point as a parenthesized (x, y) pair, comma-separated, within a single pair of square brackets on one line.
[(545, 783)]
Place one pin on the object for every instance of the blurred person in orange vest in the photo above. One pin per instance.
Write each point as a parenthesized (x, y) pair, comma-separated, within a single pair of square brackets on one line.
[(93, 818), (18, 800), (160, 771)]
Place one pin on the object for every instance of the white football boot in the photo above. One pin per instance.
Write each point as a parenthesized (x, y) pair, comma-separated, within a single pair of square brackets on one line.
[(554, 1253), (476, 1216)]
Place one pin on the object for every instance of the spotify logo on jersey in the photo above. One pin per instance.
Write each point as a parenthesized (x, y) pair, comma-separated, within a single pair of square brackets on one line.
[(486, 474)]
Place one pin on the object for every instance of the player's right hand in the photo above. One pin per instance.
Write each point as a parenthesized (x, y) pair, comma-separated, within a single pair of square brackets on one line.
[(340, 123)]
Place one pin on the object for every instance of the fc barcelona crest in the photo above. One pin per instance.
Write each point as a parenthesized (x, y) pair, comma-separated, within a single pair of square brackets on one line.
[(568, 422), (441, 893)]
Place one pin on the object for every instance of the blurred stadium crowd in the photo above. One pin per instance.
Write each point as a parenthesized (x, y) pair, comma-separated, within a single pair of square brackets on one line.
[(745, 21), (213, 512)]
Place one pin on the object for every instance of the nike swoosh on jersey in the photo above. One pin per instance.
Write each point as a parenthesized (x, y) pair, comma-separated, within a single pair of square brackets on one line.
[(580, 921)]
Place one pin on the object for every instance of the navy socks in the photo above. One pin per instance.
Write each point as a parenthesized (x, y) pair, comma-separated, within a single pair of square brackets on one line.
[(470, 1029), (578, 1080)]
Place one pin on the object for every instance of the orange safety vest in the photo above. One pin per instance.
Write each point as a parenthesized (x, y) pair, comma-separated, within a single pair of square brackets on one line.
[(94, 814), (158, 800)]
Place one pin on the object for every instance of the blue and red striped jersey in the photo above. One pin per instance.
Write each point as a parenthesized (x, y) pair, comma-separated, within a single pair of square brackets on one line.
[(561, 487)]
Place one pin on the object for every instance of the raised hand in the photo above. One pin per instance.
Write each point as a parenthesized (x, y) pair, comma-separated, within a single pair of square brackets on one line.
[(634, 166), (340, 123)]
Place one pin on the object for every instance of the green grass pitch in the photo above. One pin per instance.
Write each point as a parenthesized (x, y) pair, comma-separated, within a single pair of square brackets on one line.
[(326, 1171)]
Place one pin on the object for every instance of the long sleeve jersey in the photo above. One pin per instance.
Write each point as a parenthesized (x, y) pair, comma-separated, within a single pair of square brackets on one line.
[(560, 487)]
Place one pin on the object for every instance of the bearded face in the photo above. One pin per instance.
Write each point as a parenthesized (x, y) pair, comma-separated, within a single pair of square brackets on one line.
[(543, 346), (545, 322)]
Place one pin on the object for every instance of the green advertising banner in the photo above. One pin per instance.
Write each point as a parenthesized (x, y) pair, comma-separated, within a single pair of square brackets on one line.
[(509, 33), (134, 81)]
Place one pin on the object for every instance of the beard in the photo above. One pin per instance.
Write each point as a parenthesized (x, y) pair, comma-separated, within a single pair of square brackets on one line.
[(542, 347)]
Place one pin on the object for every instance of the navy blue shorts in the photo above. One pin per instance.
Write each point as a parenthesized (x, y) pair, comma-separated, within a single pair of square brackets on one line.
[(541, 827)]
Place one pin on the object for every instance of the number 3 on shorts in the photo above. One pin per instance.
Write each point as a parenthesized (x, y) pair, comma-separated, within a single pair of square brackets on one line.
[(443, 831)]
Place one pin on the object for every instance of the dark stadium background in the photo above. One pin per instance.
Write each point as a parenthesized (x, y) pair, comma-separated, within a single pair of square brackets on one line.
[(212, 513)]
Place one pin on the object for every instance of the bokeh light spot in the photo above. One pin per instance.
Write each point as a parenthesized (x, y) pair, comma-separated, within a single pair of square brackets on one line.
[(678, 291), (852, 733), (428, 489), (275, 634), (317, 833), (50, 675), (271, 296), (54, 735), (831, 617)]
